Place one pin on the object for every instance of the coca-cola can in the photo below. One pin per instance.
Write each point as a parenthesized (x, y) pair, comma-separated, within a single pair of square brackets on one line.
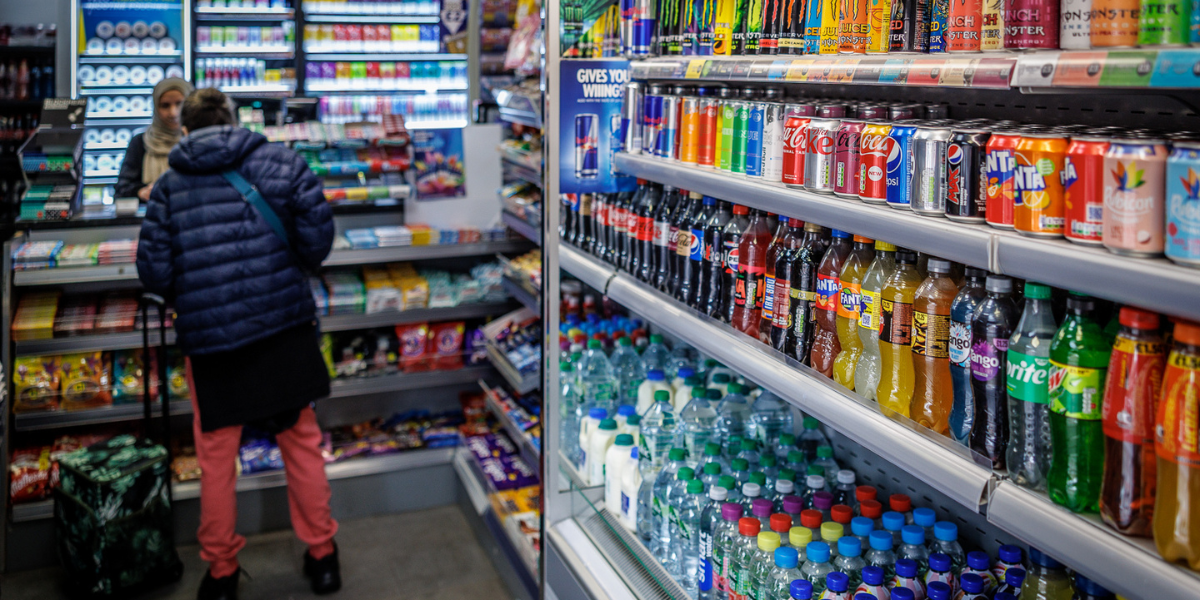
[(966, 175), (795, 148), (818, 164), (872, 162), (831, 111), (772, 142), (845, 159), (929, 170), (900, 112)]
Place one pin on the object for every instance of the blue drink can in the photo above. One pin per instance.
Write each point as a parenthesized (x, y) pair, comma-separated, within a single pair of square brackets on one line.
[(900, 166), (668, 133), (754, 139), (586, 152), (630, 133), (652, 109), (1183, 204)]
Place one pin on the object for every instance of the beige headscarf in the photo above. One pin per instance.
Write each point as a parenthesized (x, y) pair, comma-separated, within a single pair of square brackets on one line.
[(160, 138)]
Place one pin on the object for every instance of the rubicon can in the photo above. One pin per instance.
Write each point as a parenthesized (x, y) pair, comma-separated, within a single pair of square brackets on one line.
[(754, 140), (966, 175), (900, 166), (879, 22), (1164, 22), (1083, 190), (1075, 25), (632, 104), (964, 23), (1134, 207), (873, 163), (1001, 172), (706, 141), (652, 115), (854, 27), (991, 33), (1183, 204), (938, 10), (929, 170), (1031, 24), (772, 144), (818, 165), (668, 135), (795, 147), (1037, 183), (689, 129), (726, 110), (586, 141), (1115, 23), (845, 158)]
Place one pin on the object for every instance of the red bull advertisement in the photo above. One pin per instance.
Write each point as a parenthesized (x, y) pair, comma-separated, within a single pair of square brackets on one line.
[(594, 108)]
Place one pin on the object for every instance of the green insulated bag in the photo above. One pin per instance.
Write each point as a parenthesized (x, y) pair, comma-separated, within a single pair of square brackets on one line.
[(112, 509)]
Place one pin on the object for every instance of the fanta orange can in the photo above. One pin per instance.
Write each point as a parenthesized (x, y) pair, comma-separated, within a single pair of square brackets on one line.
[(1038, 205)]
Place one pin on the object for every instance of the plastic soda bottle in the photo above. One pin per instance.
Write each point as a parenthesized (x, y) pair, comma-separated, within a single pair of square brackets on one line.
[(1078, 363), (1177, 504), (1028, 385), (973, 587), (1014, 579), (787, 570), (711, 295), (933, 390), (939, 590), (731, 237), (913, 547), (724, 539), (945, 541), (752, 270), (873, 584), (817, 566), (779, 243), (866, 373), (979, 564), (1008, 557), (895, 392), (991, 327), (826, 346), (1046, 578), (939, 572), (800, 589), (849, 309), (673, 201), (792, 331), (837, 586), (907, 577), (962, 311), (1130, 395)]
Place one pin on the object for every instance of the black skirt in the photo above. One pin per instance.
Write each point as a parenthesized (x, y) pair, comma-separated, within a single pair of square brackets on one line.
[(266, 380)]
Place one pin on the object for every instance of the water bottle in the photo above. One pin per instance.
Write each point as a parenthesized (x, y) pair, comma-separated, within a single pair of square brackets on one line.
[(881, 554), (712, 369), (830, 534), (826, 461), (796, 461), (733, 412), (799, 538), (629, 370), (735, 491), (750, 492), (598, 378), (698, 419), (682, 356), (570, 404), (761, 509), (658, 429), (792, 505), (818, 566), (711, 521), (844, 492), (945, 536), (787, 570), (783, 444), (849, 559), (725, 538), (740, 469), (902, 504), (740, 556), (783, 489), (669, 527), (913, 548), (893, 522), (624, 411), (766, 466), (811, 439), (812, 485), (712, 454), (769, 417), (656, 511), (655, 355), (861, 528), (749, 452), (688, 546), (925, 518), (764, 563)]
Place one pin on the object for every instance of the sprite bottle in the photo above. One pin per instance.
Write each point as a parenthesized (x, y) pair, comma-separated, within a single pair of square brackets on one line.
[(1079, 357), (1028, 382)]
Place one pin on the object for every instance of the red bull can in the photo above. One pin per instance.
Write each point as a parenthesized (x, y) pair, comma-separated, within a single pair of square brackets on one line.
[(795, 145), (900, 166), (818, 162), (929, 170), (873, 162), (586, 142), (845, 159), (652, 115), (668, 136), (631, 118)]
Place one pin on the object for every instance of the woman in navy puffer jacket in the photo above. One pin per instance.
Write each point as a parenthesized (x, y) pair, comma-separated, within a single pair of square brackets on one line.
[(246, 320)]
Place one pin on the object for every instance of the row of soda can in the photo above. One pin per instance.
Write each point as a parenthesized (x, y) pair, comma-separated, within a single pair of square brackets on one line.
[(741, 27), (1134, 192)]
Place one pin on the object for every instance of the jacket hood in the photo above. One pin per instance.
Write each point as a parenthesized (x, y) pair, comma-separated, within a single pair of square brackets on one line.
[(214, 149)]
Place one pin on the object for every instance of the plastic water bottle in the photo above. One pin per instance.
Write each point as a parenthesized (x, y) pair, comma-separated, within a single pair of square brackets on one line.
[(925, 519), (767, 466), (769, 417), (823, 501), (731, 484), (740, 469), (669, 527), (812, 485), (786, 442), (733, 412), (902, 504), (908, 578), (712, 454), (649, 388), (811, 439), (725, 538), (598, 378), (683, 356), (945, 540), (629, 370), (844, 492), (783, 489), (763, 563), (741, 556), (680, 377), (796, 462), (711, 525), (849, 559), (830, 534), (792, 506), (710, 475), (881, 554), (655, 355), (761, 509), (570, 404), (749, 452), (826, 461), (873, 583), (655, 507), (687, 545), (913, 548), (698, 419), (861, 528), (799, 538), (787, 570), (658, 429), (892, 522), (712, 369), (818, 566)]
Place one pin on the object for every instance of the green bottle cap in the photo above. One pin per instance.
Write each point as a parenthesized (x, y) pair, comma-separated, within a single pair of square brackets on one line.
[(662, 396), (608, 424), (677, 454), (695, 486), (623, 439), (766, 461), (656, 338), (727, 482), (758, 477), (1037, 291), (824, 452), (686, 474), (712, 449), (740, 464), (714, 394), (811, 423), (592, 344), (815, 470), (712, 468)]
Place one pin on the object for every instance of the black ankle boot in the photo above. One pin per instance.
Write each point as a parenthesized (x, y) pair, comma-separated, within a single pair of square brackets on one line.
[(218, 588), (325, 575)]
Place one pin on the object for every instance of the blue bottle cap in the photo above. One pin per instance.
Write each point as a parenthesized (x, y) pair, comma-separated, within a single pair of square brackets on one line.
[(945, 531), (999, 596), (979, 561), (685, 372), (709, 201), (1091, 588), (817, 552), (907, 567), (837, 581), (872, 575), (939, 590), (786, 557), (913, 534), (655, 375), (865, 596), (838, 233), (801, 589), (880, 540), (900, 593), (861, 526), (598, 413), (1014, 577), (849, 546), (925, 517), (939, 562), (1010, 554), (893, 521), (971, 583), (626, 410), (1038, 557)]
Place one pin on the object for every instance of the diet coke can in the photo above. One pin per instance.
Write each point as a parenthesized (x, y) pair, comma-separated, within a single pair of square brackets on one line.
[(872, 163), (929, 170), (818, 165), (845, 159), (795, 147)]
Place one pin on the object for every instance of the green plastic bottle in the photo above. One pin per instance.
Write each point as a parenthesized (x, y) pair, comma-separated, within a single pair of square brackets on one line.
[(1079, 357)]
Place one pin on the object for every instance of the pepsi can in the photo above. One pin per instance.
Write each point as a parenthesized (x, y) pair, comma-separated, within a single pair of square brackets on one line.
[(652, 114), (754, 139), (819, 162), (900, 165), (631, 118), (586, 140), (929, 170), (966, 175)]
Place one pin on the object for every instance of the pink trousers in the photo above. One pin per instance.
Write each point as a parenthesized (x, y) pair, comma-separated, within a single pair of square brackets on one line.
[(307, 489)]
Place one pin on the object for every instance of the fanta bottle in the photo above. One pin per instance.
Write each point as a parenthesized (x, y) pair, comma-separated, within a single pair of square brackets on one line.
[(1177, 505), (825, 343), (849, 309), (895, 392)]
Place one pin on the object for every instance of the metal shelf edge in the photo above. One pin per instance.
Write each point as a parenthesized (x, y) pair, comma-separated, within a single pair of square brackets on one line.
[(394, 317), (526, 297), (39, 421), (521, 226), (529, 453), (589, 270), (399, 382), (87, 343)]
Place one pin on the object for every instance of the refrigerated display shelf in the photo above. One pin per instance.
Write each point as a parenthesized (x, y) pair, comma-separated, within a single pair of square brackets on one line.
[(527, 230), (399, 382), (261, 90), (529, 453), (356, 18), (520, 383), (415, 315), (637, 567), (1161, 285), (349, 88), (89, 343), (130, 59), (588, 269), (245, 14), (578, 481), (530, 298), (116, 413), (264, 53), (95, 89)]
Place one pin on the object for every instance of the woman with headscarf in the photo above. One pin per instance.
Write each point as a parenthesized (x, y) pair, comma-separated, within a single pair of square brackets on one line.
[(146, 156)]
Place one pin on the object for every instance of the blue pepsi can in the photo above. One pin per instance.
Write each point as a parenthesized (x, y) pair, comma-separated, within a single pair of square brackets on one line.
[(586, 152), (900, 166), (652, 112), (754, 139)]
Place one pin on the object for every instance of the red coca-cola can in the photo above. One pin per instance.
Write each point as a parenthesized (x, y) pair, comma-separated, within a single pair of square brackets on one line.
[(872, 162), (1083, 190), (795, 149), (705, 153), (845, 159)]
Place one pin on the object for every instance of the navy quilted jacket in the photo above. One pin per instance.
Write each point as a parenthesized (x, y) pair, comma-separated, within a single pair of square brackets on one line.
[(233, 281)]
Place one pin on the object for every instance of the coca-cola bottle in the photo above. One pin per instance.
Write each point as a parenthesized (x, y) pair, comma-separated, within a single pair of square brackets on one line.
[(781, 286), (629, 262), (600, 224), (566, 218), (646, 248), (752, 269), (583, 237), (729, 239), (710, 298), (662, 237), (691, 233), (681, 229)]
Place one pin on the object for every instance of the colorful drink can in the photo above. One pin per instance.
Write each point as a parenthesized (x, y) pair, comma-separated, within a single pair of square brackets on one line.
[(704, 13), (632, 104), (938, 13), (668, 135), (966, 175), (754, 140), (741, 129), (726, 115), (1037, 185), (1031, 24), (689, 129), (901, 112), (1164, 22), (991, 32), (873, 162), (791, 36), (814, 14), (909, 29), (723, 27), (769, 44), (1075, 25), (879, 22), (900, 166), (854, 26), (754, 25), (706, 142), (845, 158), (795, 146), (1001, 172), (586, 142), (1183, 204), (830, 25), (1115, 23), (818, 164), (652, 106), (1134, 206), (1083, 190), (772, 142), (930, 144)]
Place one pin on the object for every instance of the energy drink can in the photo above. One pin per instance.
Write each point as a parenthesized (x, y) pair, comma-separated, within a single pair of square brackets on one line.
[(1183, 204), (1164, 22), (1001, 173), (830, 28), (991, 32), (929, 170), (668, 136), (754, 140), (632, 104), (1037, 185), (652, 115), (879, 22), (641, 27), (791, 36), (1115, 23), (723, 27), (769, 43), (938, 11), (909, 26), (966, 175), (726, 111), (1083, 190), (845, 159), (772, 144), (818, 162), (795, 145), (709, 132), (1031, 24), (854, 27), (689, 130), (964, 25), (586, 142), (669, 25), (814, 13), (900, 166), (705, 16), (741, 128), (1075, 25), (754, 26), (1134, 207), (873, 162), (738, 27)]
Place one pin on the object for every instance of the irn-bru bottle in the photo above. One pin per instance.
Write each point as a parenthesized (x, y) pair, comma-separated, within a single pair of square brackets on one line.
[(866, 373), (933, 390), (895, 390), (752, 270), (849, 309), (1177, 504), (825, 342)]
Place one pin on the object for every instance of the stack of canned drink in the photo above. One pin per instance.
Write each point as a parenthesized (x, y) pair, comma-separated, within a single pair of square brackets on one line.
[(1135, 192)]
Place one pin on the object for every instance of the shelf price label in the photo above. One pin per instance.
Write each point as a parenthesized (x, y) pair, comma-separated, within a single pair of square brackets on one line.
[(1128, 68), (1177, 69), (1079, 69), (695, 69), (798, 70)]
